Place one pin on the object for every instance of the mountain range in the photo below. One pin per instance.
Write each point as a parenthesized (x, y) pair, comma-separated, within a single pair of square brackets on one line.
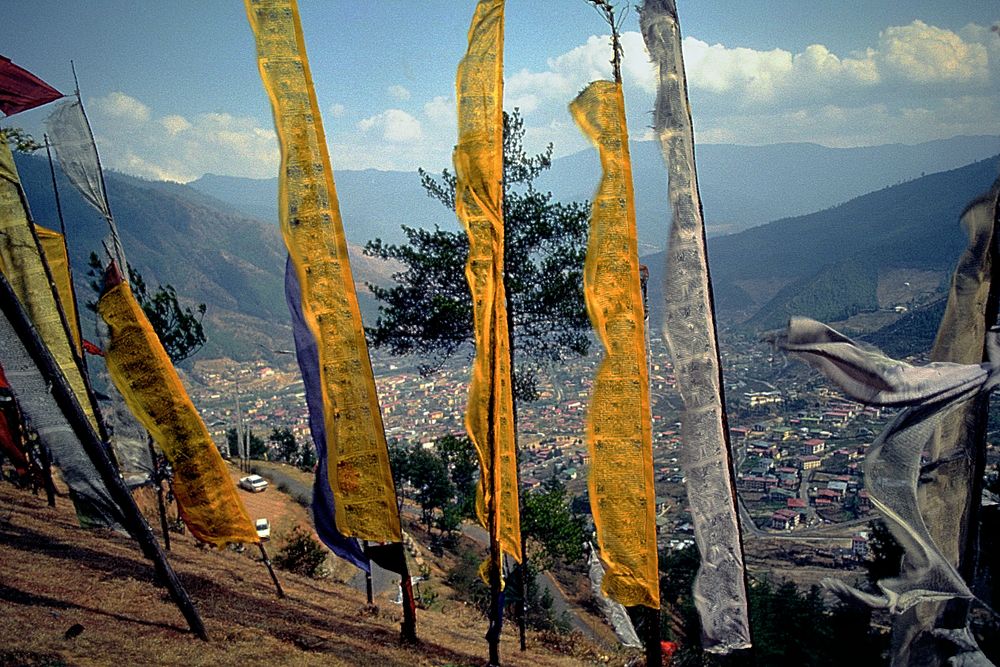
[(216, 239), (741, 186), (209, 251)]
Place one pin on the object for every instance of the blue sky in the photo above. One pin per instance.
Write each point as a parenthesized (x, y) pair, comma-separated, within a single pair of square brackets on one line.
[(173, 91)]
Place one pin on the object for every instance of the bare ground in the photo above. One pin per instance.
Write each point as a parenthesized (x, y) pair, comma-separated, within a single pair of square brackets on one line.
[(55, 576)]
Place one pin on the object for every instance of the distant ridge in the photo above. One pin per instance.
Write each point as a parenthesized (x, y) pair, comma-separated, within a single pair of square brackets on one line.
[(746, 186), (204, 239), (809, 265), (741, 186), (210, 252)]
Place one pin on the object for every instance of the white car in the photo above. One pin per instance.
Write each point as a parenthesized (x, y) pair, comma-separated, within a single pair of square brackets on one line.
[(263, 527), (253, 483)]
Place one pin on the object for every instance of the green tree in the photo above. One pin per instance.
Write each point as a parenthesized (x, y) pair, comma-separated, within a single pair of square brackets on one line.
[(790, 627), (399, 461), (551, 529), (459, 456), (307, 456), (885, 553), (428, 476), (178, 328), (282, 444), (258, 447), (302, 554), (232, 443), (19, 140), (429, 310)]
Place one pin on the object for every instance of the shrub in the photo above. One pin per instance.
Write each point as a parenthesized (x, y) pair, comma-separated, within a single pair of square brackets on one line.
[(302, 554)]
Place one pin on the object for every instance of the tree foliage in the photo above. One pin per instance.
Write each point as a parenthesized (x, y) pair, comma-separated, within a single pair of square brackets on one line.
[(19, 140), (459, 457), (429, 310), (885, 553), (257, 448), (302, 554), (179, 329), (553, 532), (427, 474), (283, 446), (790, 626)]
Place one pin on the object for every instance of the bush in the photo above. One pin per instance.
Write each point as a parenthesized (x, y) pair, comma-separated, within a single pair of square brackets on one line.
[(302, 554)]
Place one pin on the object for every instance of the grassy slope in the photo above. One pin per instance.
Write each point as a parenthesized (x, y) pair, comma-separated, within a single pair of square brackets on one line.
[(56, 575)]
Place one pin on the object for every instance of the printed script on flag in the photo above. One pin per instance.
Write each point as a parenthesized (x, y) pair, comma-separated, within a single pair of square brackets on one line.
[(358, 465), (479, 205), (720, 592), (53, 246), (619, 432), (142, 372)]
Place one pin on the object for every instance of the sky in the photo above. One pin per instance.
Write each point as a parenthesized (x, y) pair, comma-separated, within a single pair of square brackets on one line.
[(173, 92)]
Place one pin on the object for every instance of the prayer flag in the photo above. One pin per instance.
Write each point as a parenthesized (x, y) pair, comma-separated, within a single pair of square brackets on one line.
[(323, 502), (142, 372), (54, 249), (619, 421), (71, 137), (689, 328), (23, 263), (478, 161), (21, 90), (45, 401), (358, 458)]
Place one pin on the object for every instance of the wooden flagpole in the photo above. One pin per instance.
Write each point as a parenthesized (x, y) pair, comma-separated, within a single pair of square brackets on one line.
[(158, 484), (135, 523), (270, 569)]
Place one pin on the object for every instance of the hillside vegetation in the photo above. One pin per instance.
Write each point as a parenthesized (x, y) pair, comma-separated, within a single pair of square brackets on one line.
[(820, 265)]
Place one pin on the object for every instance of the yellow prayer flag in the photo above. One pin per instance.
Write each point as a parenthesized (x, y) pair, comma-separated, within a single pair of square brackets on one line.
[(142, 372), (22, 263), (619, 430), (56, 256), (358, 458), (479, 205)]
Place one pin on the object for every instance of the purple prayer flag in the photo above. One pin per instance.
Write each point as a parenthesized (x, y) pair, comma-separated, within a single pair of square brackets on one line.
[(307, 354)]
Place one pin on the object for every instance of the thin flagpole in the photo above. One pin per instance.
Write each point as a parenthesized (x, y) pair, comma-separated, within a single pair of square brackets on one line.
[(69, 263), (119, 249)]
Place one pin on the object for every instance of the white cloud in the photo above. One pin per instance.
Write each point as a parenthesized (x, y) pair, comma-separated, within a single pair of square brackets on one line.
[(396, 126), (179, 148), (441, 111), (925, 54), (399, 92), (913, 83), (175, 124), (122, 107), (934, 81)]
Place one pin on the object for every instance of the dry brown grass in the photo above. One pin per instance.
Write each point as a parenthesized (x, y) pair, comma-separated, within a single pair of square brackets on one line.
[(55, 575)]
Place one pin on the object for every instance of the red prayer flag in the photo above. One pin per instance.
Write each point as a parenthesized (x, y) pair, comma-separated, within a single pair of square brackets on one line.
[(92, 349), (21, 90)]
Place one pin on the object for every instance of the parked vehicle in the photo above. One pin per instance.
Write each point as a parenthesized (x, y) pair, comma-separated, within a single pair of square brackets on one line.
[(263, 529), (253, 483)]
